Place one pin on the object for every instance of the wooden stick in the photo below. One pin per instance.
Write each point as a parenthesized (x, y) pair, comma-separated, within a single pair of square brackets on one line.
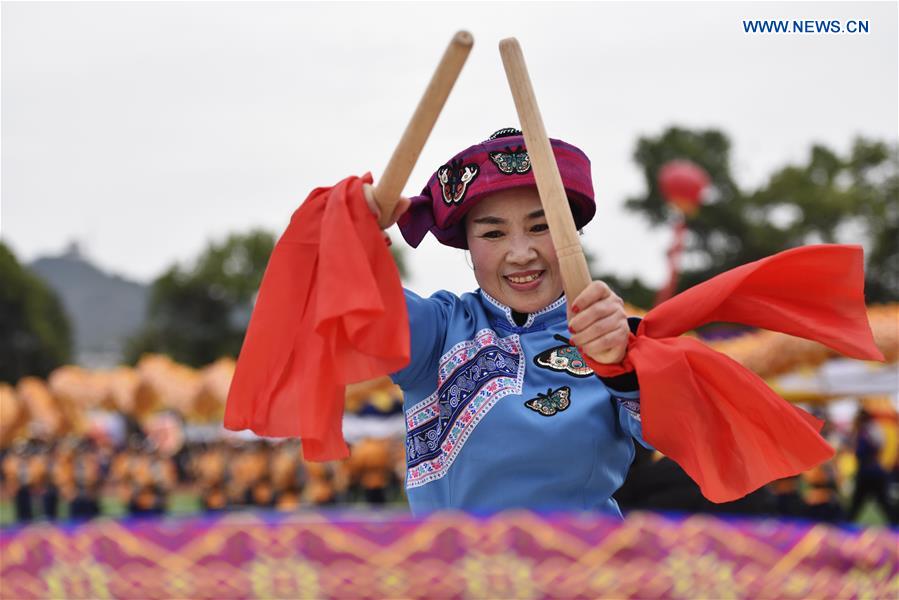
[(572, 264), (395, 176)]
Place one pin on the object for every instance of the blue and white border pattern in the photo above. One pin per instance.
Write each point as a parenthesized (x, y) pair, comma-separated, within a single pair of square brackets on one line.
[(438, 426)]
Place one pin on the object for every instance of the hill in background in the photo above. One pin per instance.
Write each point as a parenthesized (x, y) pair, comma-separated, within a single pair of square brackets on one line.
[(104, 309)]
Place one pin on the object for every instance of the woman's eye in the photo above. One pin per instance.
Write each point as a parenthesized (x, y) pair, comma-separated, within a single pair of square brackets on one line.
[(493, 234), (540, 227)]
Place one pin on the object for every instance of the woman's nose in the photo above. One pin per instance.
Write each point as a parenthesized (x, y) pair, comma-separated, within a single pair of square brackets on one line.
[(521, 250)]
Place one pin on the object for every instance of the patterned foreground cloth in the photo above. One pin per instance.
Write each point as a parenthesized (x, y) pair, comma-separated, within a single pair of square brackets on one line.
[(513, 555)]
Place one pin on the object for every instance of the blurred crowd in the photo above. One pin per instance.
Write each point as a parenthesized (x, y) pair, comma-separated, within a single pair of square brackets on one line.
[(148, 440), (864, 468), (81, 478), (149, 471)]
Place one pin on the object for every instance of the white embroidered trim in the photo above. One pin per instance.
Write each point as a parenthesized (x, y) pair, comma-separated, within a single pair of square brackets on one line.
[(500, 306), (544, 310), (531, 316)]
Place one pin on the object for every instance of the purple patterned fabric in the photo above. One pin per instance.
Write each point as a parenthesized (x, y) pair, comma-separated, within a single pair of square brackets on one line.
[(497, 164), (384, 555)]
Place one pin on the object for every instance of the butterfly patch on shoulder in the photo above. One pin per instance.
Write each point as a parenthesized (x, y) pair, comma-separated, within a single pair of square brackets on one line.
[(564, 358), (551, 402), (512, 162)]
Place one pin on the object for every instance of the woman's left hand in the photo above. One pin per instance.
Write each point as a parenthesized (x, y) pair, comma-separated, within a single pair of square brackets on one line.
[(598, 324)]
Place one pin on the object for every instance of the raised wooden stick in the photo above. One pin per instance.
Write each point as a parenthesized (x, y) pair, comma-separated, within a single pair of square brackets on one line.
[(395, 176), (572, 264)]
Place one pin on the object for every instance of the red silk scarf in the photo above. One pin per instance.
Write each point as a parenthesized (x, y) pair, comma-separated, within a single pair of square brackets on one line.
[(330, 311), (719, 421)]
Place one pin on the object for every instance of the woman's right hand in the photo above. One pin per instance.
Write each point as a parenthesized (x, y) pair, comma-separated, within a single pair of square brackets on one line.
[(401, 206)]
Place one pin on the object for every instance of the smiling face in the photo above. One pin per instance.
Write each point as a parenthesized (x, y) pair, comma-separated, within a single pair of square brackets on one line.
[(512, 252)]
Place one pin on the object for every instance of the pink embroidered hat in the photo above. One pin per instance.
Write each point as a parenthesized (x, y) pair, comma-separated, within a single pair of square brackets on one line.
[(497, 164)]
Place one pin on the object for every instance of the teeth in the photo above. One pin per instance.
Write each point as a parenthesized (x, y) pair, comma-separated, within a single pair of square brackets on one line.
[(526, 279)]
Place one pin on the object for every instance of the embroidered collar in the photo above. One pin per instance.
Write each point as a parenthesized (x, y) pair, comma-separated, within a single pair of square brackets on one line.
[(502, 314)]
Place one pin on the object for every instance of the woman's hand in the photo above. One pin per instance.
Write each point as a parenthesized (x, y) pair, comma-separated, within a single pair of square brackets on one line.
[(598, 324), (401, 206)]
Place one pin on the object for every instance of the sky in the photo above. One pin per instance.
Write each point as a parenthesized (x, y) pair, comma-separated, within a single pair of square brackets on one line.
[(146, 130)]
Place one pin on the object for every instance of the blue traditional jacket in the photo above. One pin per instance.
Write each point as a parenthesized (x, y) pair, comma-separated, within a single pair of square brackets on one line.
[(505, 416)]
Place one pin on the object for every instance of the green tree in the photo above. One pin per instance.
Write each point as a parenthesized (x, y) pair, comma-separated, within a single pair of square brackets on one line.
[(828, 198), (200, 313), (34, 327), (839, 199)]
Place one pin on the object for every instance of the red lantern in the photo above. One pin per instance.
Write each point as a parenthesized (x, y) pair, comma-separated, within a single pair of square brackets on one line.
[(682, 183)]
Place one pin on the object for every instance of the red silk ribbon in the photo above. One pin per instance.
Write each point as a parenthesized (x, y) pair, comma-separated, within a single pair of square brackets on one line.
[(719, 421), (330, 311)]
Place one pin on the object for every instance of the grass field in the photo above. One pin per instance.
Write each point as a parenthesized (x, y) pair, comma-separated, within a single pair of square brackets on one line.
[(187, 503), (180, 503)]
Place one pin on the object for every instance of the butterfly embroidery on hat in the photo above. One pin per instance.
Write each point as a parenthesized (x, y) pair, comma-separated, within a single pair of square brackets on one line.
[(551, 402), (454, 180), (512, 162), (564, 358)]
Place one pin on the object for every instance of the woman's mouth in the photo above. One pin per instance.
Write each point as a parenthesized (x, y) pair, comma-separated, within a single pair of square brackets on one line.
[(525, 280)]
